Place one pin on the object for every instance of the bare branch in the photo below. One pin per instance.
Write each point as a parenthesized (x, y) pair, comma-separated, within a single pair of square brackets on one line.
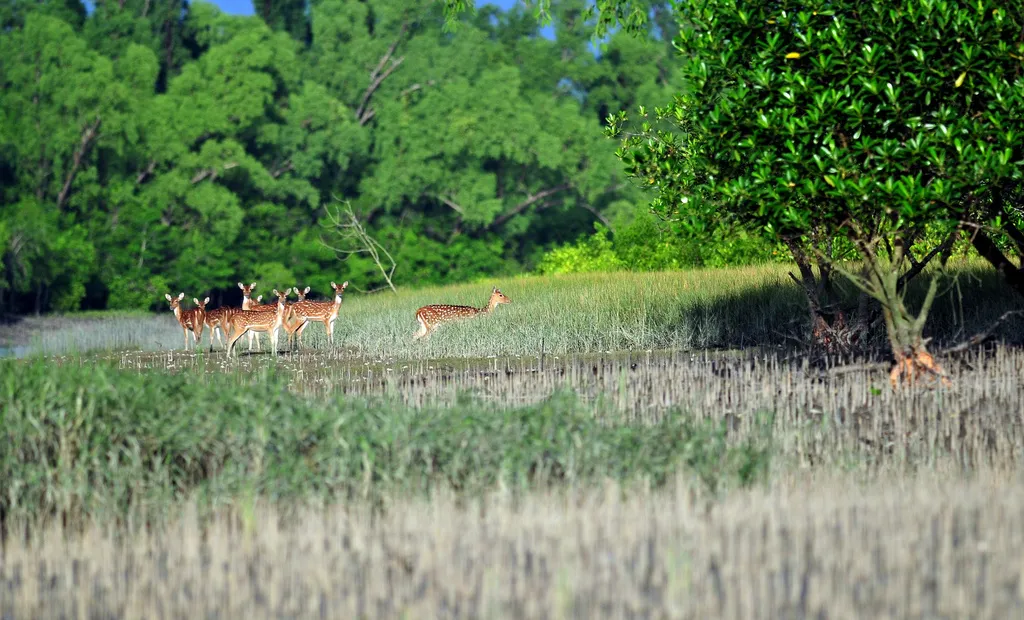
[(415, 87), (350, 230), (145, 173), (378, 75), (211, 173), (981, 336), (451, 203), (599, 216), (531, 199), (367, 115), (89, 134), (284, 167)]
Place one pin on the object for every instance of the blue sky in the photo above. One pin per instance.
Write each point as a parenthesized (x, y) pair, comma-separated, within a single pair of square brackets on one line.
[(244, 7)]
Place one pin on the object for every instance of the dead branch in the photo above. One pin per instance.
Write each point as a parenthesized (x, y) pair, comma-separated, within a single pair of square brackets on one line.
[(378, 75), (146, 172), (522, 206), (350, 230), (982, 336), (415, 87), (599, 216), (211, 173), (451, 203), (286, 166), (88, 136)]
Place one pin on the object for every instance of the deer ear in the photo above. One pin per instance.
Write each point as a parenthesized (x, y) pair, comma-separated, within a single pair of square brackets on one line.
[(195, 301), (344, 285), (206, 301), (168, 296), (241, 286), (181, 296), (305, 292), (333, 285), (253, 285)]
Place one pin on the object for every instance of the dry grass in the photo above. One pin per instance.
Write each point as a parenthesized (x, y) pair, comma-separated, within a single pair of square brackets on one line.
[(811, 546), (817, 417)]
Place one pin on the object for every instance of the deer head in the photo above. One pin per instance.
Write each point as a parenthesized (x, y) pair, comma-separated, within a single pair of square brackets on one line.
[(339, 290), (175, 301), (497, 297)]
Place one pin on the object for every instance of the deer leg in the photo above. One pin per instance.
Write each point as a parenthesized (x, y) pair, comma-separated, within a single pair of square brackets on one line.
[(273, 341), (330, 331), (233, 338)]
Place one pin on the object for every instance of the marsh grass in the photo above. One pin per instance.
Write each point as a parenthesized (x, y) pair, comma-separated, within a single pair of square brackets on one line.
[(83, 441), (731, 308), (810, 546), (85, 438)]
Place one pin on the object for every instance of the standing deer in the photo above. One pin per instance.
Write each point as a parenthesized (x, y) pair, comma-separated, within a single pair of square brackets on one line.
[(326, 312), (217, 321), (248, 303), (429, 317), (192, 319), (256, 321), (296, 324)]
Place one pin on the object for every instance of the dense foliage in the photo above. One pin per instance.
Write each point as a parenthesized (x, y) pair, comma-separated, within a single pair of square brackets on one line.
[(148, 146)]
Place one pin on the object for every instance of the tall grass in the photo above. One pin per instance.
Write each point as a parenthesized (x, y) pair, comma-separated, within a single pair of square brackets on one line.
[(84, 438), (88, 440), (559, 315), (809, 547)]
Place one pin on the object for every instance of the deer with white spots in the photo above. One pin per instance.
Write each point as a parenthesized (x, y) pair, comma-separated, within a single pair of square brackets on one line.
[(248, 303), (429, 317), (192, 319), (297, 325), (259, 321), (326, 312)]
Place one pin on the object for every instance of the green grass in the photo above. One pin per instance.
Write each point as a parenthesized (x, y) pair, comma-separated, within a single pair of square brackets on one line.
[(731, 308), (89, 440)]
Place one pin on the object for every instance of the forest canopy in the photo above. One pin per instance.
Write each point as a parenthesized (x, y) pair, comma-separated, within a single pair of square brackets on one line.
[(148, 145)]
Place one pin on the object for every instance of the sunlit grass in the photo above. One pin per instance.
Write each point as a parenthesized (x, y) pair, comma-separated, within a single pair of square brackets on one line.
[(731, 308)]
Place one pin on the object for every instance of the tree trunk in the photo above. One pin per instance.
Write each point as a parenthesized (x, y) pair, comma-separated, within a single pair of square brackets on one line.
[(990, 252)]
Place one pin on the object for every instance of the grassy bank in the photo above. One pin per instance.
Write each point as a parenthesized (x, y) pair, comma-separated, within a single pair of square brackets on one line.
[(699, 309)]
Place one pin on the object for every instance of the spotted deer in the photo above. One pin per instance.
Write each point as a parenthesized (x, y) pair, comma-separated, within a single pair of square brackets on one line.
[(192, 319), (216, 320), (248, 303), (430, 317), (326, 312), (258, 321)]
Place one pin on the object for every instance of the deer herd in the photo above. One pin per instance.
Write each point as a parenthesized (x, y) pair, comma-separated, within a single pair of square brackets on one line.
[(255, 317)]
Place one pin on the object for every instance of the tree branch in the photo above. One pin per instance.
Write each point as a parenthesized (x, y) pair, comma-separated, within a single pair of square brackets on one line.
[(455, 207), (286, 166), (598, 215), (981, 336), (377, 77), (350, 230), (918, 267), (145, 173), (415, 87), (522, 206), (88, 136), (211, 173)]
